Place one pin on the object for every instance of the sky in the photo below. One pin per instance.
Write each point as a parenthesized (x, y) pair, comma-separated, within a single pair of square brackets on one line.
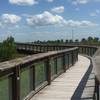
[(30, 20)]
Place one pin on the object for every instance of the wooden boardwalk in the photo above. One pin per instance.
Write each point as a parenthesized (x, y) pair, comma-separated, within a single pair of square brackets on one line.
[(66, 86)]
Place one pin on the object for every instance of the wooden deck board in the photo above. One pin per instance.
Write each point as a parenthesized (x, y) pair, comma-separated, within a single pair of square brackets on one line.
[(63, 87)]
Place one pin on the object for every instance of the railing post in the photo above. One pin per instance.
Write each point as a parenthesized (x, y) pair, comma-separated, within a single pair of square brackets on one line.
[(47, 48), (48, 71), (85, 50), (32, 79), (56, 65), (68, 60), (16, 84), (97, 88), (64, 65), (82, 50), (72, 58), (40, 48)]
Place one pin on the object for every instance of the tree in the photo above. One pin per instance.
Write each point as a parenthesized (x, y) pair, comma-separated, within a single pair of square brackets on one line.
[(83, 41), (96, 39), (8, 49), (90, 39), (61, 41), (66, 41), (71, 41), (76, 40)]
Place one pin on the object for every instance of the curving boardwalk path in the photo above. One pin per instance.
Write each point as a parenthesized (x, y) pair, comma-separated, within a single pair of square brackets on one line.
[(66, 85)]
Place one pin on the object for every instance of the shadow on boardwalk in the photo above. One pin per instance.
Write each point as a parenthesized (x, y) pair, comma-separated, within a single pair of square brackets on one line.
[(86, 88)]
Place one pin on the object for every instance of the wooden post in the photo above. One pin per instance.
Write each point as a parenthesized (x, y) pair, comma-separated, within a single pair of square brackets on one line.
[(68, 60), (72, 57), (82, 50), (64, 65), (77, 55), (85, 50), (48, 66), (97, 88), (32, 77), (40, 48), (16, 84), (56, 65)]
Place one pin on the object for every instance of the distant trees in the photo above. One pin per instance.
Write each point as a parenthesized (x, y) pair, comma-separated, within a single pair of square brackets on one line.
[(84, 41), (76, 40), (8, 49), (96, 39), (66, 41), (90, 41)]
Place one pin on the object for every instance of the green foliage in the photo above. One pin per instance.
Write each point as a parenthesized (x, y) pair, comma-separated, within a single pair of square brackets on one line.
[(8, 49)]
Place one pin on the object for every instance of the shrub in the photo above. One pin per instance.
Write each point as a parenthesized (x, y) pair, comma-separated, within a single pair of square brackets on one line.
[(8, 49)]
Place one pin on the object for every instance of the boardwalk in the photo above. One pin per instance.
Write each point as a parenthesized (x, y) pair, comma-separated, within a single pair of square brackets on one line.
[(64, 87)]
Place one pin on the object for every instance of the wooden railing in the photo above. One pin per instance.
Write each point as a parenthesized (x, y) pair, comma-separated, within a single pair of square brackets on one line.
[(23, 77), (38, 48), (91, 51)]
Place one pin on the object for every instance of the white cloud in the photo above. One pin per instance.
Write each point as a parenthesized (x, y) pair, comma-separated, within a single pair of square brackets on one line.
[(95, 13), (59, 9), (75, 2), (10, 18), (23, 2), (83, 23), (7, 20), (46, 18), (50, 0)]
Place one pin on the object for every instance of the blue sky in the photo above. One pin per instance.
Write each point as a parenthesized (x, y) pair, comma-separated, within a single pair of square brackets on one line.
[(29, 20)]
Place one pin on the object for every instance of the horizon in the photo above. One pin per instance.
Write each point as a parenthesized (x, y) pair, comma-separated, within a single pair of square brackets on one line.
[(31, 20)]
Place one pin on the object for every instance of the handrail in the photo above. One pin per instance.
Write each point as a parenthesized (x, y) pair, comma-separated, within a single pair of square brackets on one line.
[(20, 78), (12, 63)]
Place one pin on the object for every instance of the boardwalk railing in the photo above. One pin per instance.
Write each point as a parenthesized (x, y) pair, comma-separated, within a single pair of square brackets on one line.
[(36, 48), (39, 48), (92, 51), (23, 77)]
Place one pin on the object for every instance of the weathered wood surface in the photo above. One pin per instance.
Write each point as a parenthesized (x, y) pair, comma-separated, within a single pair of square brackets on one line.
[(63, 87)]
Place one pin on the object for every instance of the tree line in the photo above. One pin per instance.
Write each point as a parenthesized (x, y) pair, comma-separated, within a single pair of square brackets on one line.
[(83, 41)]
